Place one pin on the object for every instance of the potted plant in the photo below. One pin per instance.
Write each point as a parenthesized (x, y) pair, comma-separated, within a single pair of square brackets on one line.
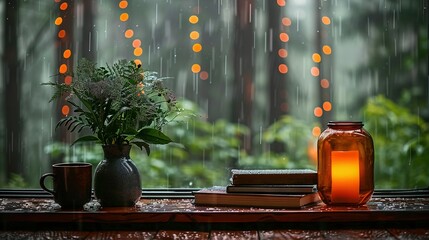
[(121, 105)]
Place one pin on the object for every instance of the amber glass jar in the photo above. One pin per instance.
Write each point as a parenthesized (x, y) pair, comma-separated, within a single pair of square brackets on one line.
[(345, 153)]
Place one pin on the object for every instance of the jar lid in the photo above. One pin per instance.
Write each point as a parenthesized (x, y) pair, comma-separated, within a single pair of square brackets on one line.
[(345, 123)]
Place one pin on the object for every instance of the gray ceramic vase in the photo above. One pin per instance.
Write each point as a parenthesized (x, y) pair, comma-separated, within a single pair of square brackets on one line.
[(116, 178)]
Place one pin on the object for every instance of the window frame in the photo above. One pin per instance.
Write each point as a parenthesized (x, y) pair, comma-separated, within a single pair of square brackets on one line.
[(187, 193)]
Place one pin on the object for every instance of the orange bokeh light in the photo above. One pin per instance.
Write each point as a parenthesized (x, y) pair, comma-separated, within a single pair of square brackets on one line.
[(286, 21), (284, 37), (315, 71), (67, 53), (326, 49), (129, 33), (318, 111), (324, 83), (316, 131), (137, 43), (197, 47), (123, 4), (194, 35), (316, 58), (327, 106), (138, 51), (65, 110), (68, 80), (64, 6), (283, 68), (193, 19), (138, 62), (326, 20), (196, 68), (63, 68), (124, 17), (204, 75), (62, 33), (58, 21), (281, 3), (282, 53)]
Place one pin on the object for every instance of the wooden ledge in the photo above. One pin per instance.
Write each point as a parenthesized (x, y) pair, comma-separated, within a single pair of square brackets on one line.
[(178, 218), (24, 211)]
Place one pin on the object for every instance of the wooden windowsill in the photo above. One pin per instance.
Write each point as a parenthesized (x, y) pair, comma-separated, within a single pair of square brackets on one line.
[(26, 210), (169, 215)]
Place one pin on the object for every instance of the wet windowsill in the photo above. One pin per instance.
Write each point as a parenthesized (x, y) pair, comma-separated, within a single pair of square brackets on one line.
[(171, 214), (176, 207)]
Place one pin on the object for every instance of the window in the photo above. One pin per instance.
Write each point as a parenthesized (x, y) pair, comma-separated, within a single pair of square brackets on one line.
[(264, 76)]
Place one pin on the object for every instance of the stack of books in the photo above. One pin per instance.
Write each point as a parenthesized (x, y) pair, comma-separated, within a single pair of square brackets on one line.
[(286, 188)]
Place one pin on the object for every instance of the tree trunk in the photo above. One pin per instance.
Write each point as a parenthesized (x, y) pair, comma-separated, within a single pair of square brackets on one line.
[(12, 93), (88, 49), (243, 69), (277, 81), (277, 93)]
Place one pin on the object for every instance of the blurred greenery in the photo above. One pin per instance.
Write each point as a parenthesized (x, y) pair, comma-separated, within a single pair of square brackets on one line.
[(205, 152), (16, 181), (296, 138), (401, 141)]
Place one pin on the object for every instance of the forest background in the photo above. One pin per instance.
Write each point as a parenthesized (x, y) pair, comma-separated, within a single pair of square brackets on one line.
[(266, 87)]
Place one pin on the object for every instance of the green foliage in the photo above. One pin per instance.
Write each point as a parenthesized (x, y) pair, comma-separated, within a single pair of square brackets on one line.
[(297, 140), (90, 153), (401, 141), (16, 181), (209, 150), (119, 104), (266, 160), (205, 152), (296, 137)]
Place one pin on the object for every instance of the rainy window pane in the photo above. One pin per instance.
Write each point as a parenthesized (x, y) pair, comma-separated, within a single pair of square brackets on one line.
[(263, 77)]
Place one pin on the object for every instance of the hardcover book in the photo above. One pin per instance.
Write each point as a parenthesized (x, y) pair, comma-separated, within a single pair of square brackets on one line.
[(272, 177), (271, 188), (217, 196)]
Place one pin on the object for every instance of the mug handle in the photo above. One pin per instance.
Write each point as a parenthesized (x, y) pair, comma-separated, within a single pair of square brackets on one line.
[(42, 182)]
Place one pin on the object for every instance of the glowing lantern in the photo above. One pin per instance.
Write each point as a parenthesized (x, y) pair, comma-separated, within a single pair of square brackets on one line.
[(345, 164)]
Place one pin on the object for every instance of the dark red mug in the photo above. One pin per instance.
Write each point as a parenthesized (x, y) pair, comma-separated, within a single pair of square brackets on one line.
[(72, 184)]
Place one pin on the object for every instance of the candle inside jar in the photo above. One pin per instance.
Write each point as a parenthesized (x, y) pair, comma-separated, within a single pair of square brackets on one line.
[(345, 177)]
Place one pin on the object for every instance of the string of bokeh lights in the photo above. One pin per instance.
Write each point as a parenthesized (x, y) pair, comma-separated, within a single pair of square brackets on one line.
[(197, 47), (129, 33), (67, 53), (282, 51), (284, 38), (324, 82)]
